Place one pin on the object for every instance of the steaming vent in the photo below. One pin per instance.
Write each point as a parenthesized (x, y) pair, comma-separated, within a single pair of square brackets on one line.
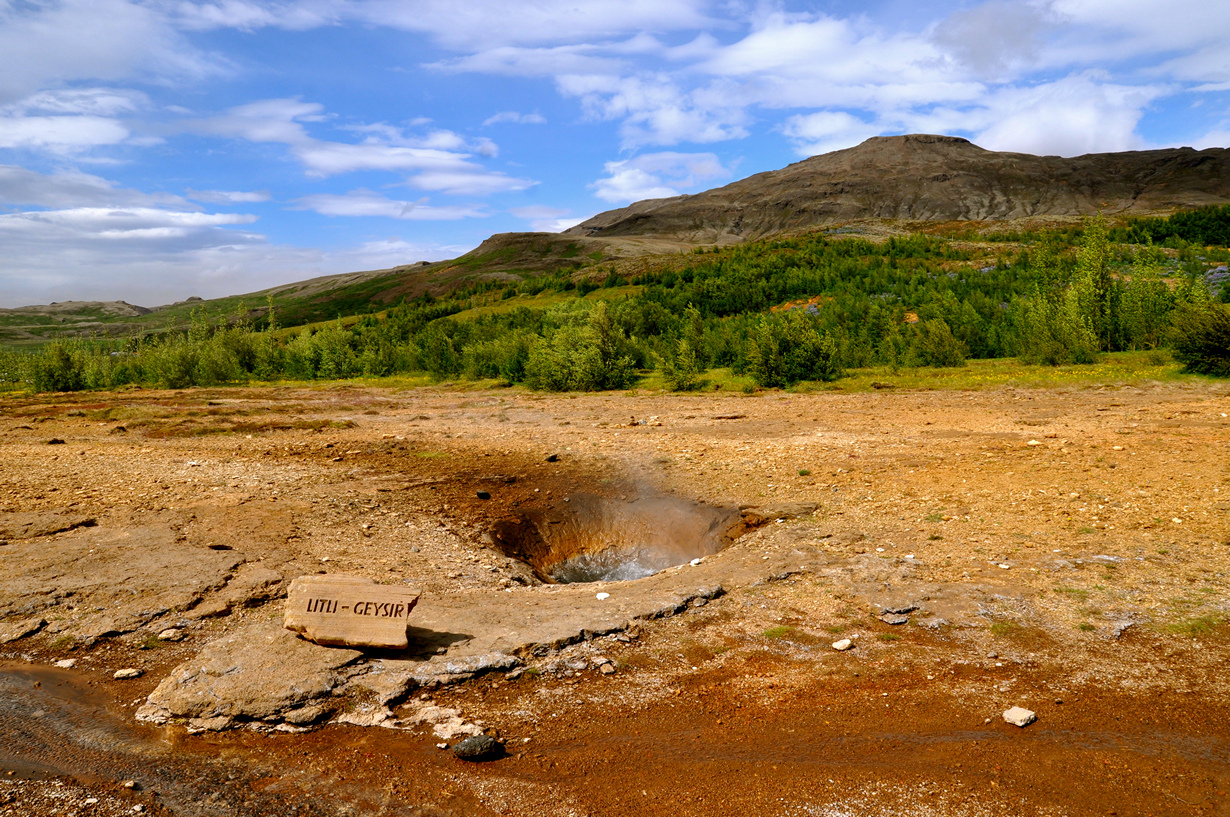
[(592, 538)]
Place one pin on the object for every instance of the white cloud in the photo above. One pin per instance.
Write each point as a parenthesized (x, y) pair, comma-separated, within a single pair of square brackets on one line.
[(545, 219), (91, 101), (656, 176), (229, 196), (655, 110), (363, 202), (441, 159), (535, 62), (1073, 116), (110, 224), (69, 189), (60, 134), (827, 131), (515, 118), (479, 25), (468, 183), (995, 37), (51, 43)]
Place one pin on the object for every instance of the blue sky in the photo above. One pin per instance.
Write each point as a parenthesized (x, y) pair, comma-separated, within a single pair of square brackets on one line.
[(154, 150)]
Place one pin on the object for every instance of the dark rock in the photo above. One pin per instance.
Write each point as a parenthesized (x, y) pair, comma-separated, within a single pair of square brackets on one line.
[(483, 495), (55, 441), (478, 748), (553, 458)]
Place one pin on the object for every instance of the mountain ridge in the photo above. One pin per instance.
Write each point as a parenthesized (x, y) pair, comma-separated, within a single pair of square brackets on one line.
[(926, 177)]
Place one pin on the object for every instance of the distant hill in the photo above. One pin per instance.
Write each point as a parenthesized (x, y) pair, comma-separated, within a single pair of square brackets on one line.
[(885, 185), (926, 178)]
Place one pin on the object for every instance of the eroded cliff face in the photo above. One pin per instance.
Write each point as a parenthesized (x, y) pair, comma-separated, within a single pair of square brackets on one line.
[(923, 177)]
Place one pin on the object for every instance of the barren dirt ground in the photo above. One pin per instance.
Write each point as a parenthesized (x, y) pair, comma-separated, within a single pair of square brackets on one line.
[(1066, 550)]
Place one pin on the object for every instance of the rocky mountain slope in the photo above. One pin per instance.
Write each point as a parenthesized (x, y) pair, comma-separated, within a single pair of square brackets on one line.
[(926, 178)]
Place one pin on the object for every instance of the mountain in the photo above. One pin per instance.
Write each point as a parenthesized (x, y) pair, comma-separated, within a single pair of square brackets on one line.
[(894, 179), (922, 177)]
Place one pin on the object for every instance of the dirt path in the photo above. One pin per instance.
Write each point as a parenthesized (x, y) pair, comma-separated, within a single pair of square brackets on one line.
[(1059, 545)]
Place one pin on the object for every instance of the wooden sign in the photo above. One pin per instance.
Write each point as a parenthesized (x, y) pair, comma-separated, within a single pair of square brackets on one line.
[(349, 611)]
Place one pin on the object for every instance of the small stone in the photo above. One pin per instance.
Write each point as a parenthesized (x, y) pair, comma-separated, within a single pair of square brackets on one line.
[(1034, 442), (1020, 716), (602, 596), (171, 634), (553, 458), (695, 562), (891, 618), (131, 784), (843, 644), (483, 494), (992, 655), (607, 669), (67, 663), (90, 801), (1003, 566), (478, 748), (127, 674)]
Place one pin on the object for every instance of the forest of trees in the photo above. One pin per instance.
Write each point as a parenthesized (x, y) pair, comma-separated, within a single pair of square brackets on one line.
[(782, 311)]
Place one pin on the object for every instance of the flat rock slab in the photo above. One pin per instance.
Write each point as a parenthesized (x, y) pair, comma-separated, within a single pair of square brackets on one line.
[(1020, 716), (349, 611), (536, 620), (31, 524), (260, 672), (105, 580)]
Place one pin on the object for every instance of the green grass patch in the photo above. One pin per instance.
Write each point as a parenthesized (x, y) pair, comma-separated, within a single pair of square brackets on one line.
[(1196, 626), (780, 631), (1005, 628)]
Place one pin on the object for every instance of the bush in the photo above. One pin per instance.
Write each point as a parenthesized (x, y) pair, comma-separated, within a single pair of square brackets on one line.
[(935, 345), (58, 368), (588, 356), (1202, 339), (680, 369), (785, 349)]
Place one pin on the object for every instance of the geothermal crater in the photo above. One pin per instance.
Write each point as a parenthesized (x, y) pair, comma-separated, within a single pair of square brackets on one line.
[(590, 538)]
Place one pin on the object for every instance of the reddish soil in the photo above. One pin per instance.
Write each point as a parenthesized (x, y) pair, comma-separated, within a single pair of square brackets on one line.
[(1108, 505)]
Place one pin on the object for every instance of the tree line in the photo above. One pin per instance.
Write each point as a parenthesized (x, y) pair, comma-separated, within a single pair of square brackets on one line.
[(782, 311)]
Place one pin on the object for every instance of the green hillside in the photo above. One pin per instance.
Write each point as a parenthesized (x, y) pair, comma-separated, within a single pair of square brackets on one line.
[(534, 309)]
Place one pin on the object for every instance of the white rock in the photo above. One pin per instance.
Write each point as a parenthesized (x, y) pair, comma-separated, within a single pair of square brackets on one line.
[(171, 634), (67, 663), (603, 596), (695, 562), (1003, 566), (1020, 716), (844, 644), (607, 669), (127, 674)]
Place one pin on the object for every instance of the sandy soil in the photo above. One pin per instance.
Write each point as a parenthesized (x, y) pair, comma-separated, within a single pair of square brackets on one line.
[(1067, 551)]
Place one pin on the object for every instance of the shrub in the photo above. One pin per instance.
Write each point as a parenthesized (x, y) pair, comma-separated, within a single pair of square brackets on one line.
[(1202, 339), (785, 349), (58, 368), (680, 369), (579, 356), (935, 345)]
